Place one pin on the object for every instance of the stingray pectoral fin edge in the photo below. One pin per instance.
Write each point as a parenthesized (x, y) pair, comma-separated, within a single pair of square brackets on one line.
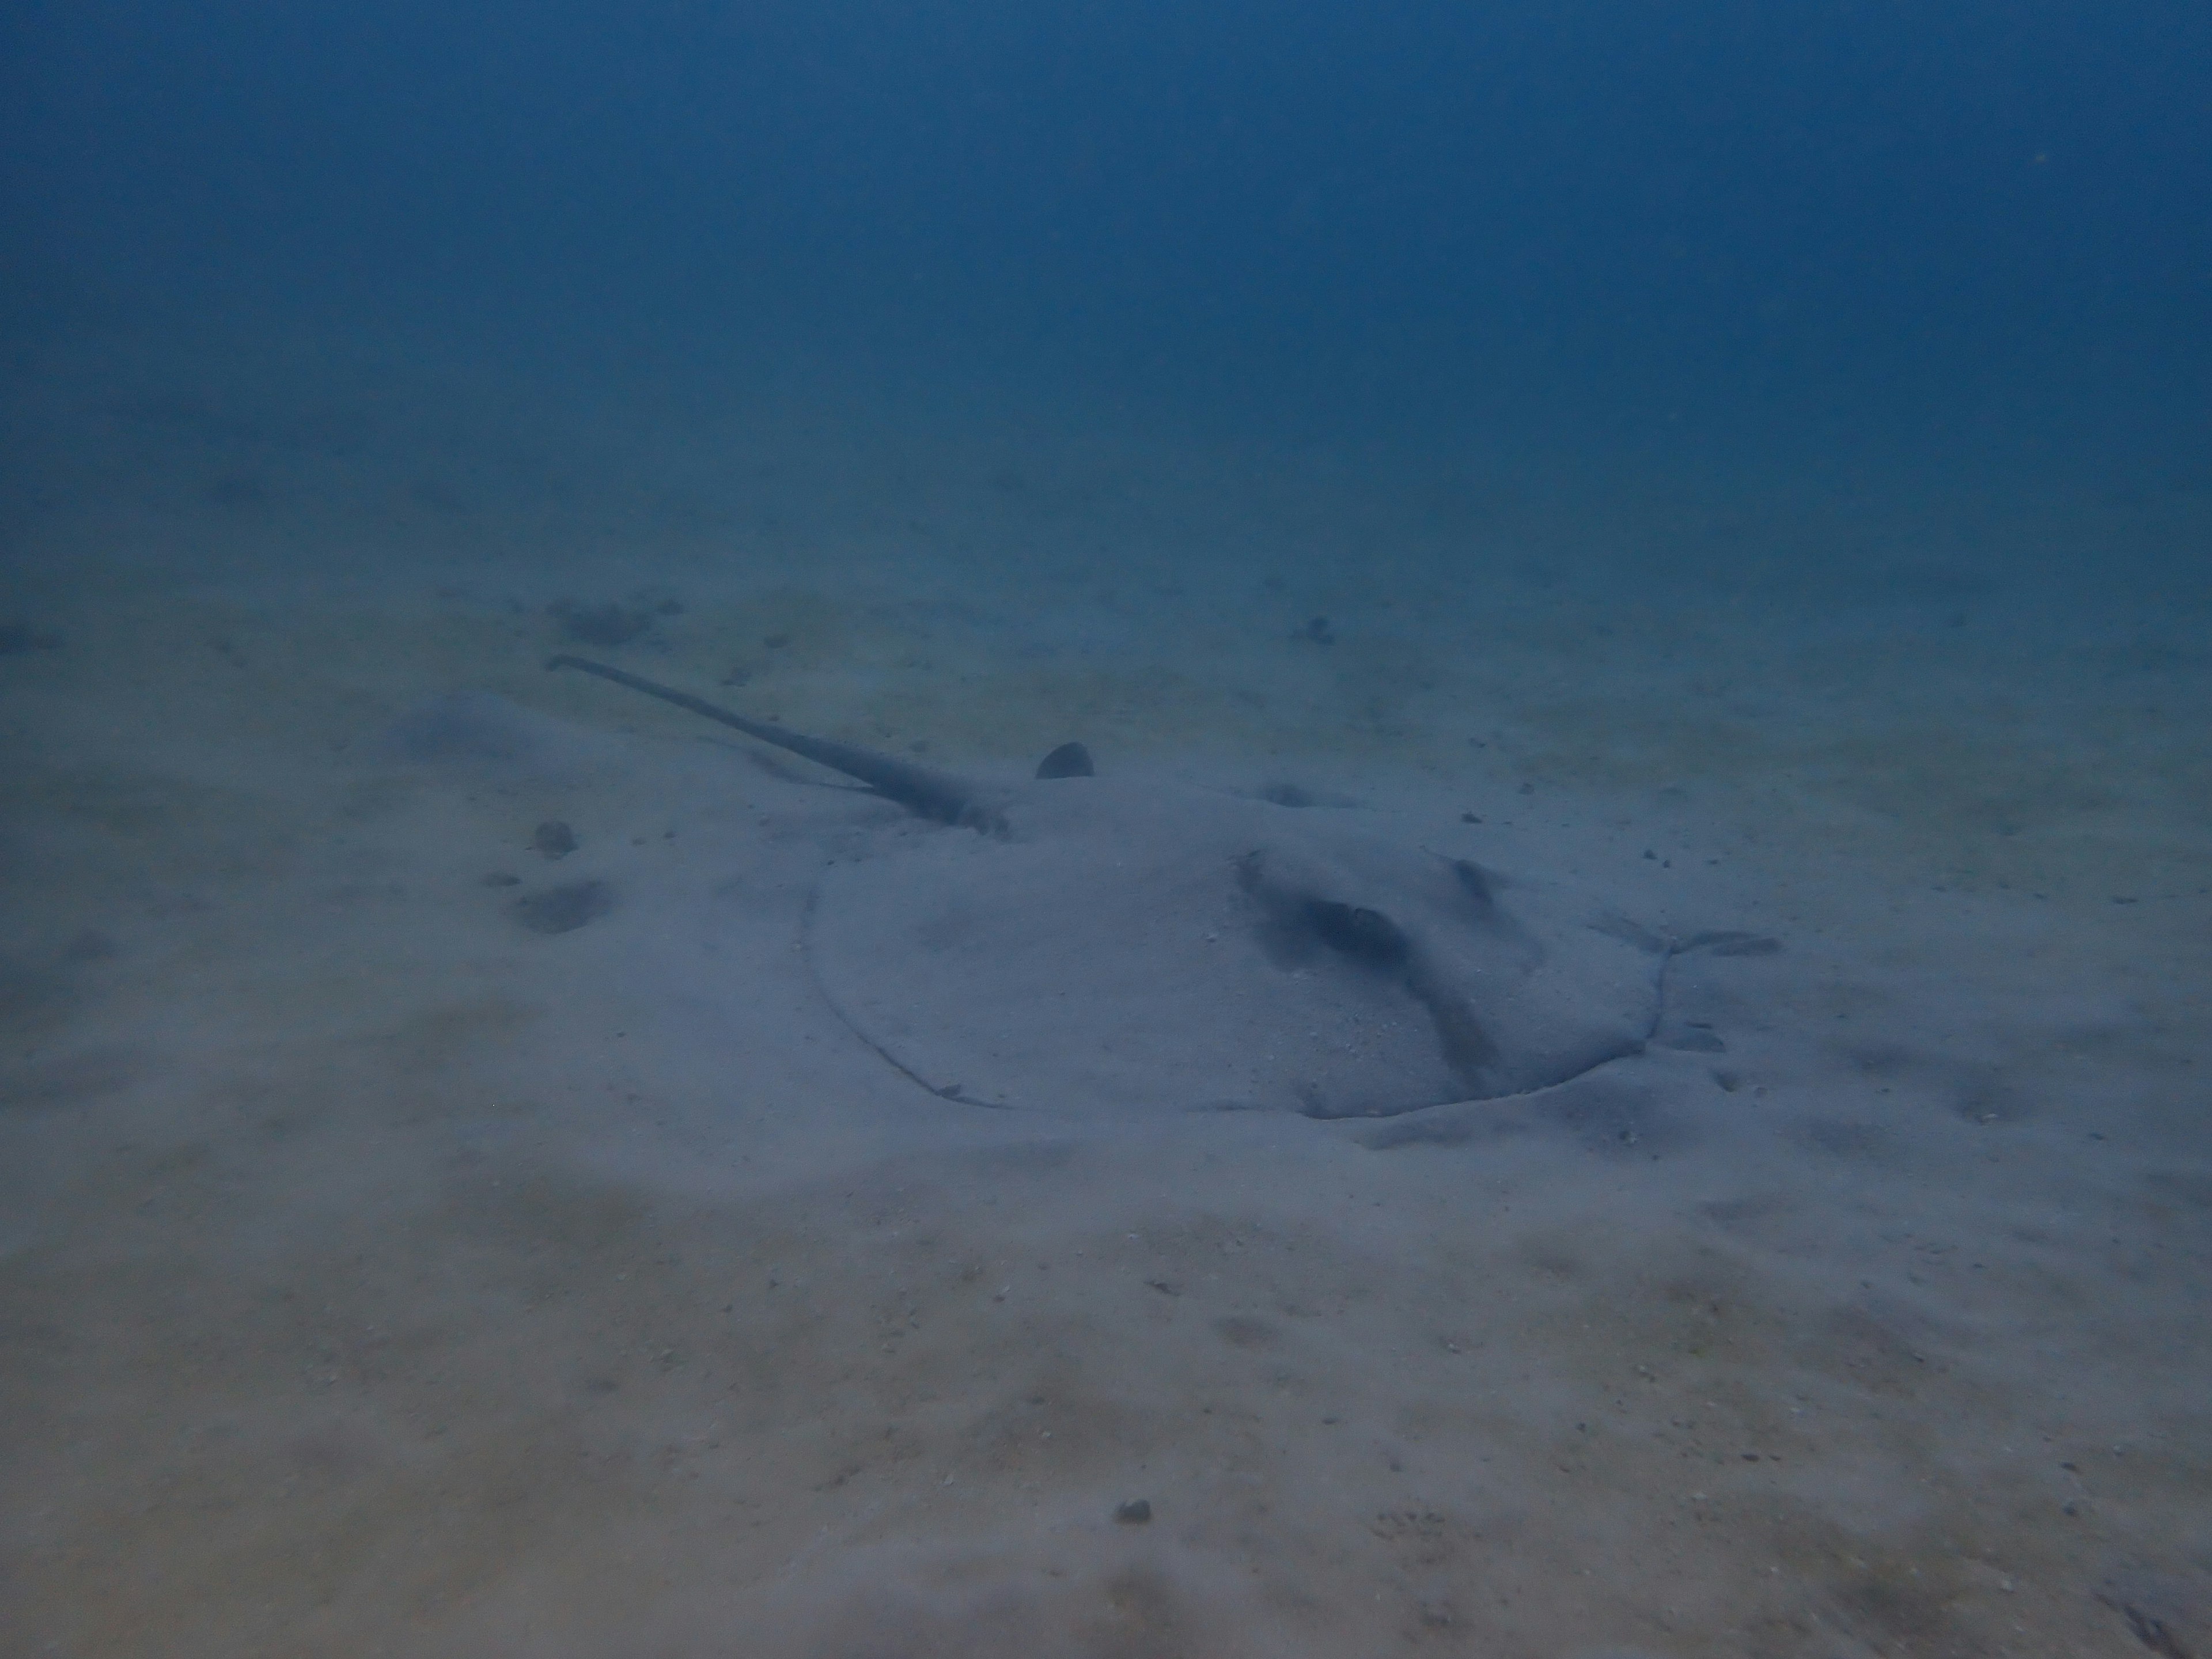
[(921, 789)]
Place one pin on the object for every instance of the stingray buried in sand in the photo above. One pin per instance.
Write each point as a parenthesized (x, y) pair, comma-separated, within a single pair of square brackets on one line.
[(1076, 944)]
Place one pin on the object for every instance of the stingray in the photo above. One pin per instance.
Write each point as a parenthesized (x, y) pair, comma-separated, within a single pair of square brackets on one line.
[(1077, 943)]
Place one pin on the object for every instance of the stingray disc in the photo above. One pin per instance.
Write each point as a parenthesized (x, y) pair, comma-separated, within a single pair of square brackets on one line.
[(1126, 950)]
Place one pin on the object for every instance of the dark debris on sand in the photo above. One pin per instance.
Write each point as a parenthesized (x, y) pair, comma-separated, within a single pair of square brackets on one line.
[(563, 909), (612, 622), (18, 638)]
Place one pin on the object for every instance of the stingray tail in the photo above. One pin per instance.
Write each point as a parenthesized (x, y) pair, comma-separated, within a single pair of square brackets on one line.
[(932, 793)]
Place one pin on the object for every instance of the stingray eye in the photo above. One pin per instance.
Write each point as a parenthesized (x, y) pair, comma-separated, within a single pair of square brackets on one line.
[(1356, 931)]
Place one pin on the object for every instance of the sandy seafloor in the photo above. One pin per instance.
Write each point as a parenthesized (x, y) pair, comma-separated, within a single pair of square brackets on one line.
[(378, 1275)]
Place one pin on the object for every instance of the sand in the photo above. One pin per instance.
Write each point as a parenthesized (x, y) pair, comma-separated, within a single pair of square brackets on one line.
[(381, 1274)]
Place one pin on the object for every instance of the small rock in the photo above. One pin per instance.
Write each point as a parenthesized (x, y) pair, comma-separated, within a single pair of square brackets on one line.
[(555, 839), (1070, 760), (1135, 1513)]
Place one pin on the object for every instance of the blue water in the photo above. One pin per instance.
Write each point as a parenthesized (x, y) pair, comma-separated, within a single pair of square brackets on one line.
[(1958, 233)]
